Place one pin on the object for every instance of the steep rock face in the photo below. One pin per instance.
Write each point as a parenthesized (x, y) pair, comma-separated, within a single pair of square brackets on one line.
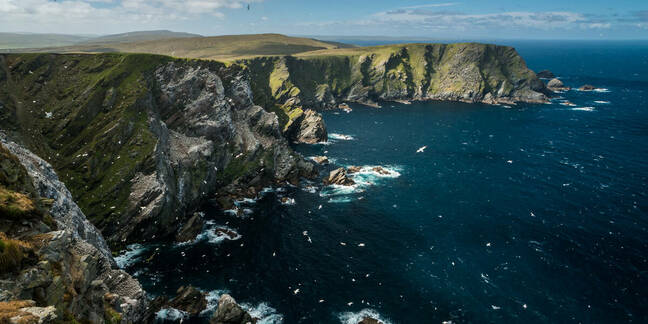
[(459, 72), (308, 128), (64, 270), (142, 140)]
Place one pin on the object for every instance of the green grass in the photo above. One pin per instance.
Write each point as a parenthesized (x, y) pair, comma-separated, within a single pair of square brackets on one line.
[(225, 48)]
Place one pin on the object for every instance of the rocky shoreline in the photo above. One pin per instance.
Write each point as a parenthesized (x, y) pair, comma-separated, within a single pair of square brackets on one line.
[(140, 141)]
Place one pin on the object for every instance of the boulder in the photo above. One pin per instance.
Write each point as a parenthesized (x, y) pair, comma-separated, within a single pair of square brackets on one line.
[(545, 74), (190, 300), (339, 177), (556, 85), (587, 87), (229, 312), (369, 320), (190, 229), (308, 128), (321, 160), (380, 170)]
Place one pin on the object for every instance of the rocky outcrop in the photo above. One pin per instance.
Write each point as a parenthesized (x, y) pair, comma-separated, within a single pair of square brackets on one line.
[(369, 320), (338, 177), (190, 300), (142, 140), (229, 312), (64, 269), (587, 87), (308, 128), (556, 85), (545, 74)]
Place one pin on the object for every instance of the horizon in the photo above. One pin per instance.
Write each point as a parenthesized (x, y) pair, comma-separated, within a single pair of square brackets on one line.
[(470, 20)]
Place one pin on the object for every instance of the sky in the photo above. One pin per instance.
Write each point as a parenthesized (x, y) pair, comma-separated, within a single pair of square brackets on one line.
[(467, 19)]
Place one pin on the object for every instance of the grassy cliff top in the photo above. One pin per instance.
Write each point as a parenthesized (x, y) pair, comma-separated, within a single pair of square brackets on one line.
[(225, 48)]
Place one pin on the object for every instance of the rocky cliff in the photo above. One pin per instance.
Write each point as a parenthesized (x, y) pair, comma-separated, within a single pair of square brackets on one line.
[(54, 264), (142, 140), (459, 72)]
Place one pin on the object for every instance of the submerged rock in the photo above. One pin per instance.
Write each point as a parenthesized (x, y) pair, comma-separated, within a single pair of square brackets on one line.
[(380, 170), (229, 312), (354, 169), (339, 177), (587, 87), (545, 74), (190, 300)]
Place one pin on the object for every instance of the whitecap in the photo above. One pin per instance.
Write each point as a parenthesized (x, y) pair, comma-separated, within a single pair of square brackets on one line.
[(602, 90), (264, 313), (340, 200), (602, 102), (171, 314), (132, 254), (583, 108), (355, 318), (340, 137)]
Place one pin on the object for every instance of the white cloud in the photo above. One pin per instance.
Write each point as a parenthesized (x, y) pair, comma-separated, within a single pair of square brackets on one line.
[(94, 16), (432, 5)]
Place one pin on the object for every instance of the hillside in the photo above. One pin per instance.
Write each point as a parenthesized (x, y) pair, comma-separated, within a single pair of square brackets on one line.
[(137, 36), (223, 48), (26, 40), (140, 140)]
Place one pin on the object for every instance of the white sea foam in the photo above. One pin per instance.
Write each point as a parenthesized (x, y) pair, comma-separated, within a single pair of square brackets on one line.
[(340, 137), (265, 313), (171, 314), (583, 108), (354, 318), (367, 176), (602, 102), (340, 200), (214, 234), (310, 189), (603, 90), (132, 254), (288, 201)]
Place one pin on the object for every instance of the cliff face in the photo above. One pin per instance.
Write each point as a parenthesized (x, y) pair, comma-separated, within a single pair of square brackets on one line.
[(141, 140), (54, 265), (459, 72)]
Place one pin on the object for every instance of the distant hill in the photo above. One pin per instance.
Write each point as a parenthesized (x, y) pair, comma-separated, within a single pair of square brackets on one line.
[(27, 40), (224, 48), (137, 36)]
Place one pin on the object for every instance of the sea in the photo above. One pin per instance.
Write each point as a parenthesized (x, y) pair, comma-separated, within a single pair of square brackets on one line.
[(509, 214)]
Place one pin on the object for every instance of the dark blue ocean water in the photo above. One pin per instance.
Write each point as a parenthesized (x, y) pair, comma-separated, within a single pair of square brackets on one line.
[(535, 213)]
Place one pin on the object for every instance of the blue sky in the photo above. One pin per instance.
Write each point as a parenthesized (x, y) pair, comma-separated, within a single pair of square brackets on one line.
[(495, 19)]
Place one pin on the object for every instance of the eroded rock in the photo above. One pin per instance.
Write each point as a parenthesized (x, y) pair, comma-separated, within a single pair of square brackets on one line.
[(229, 312), (339, 177)]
